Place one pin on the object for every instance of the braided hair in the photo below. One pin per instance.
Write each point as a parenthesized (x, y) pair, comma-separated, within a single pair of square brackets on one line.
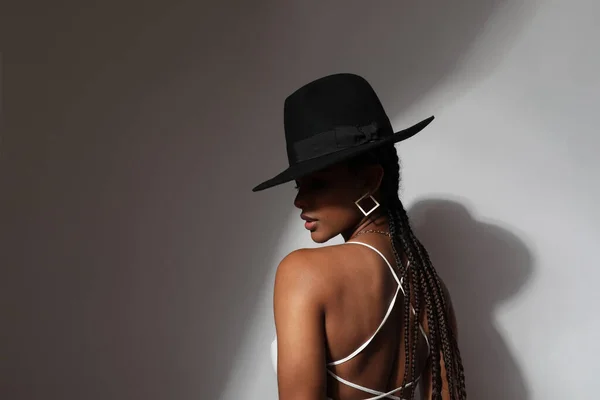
[(422, 285)]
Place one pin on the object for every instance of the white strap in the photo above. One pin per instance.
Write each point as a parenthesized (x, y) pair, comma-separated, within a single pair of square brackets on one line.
[(387, 314), (362, 388), (382, 256), (378, 394), (365, 344), (400, 282)]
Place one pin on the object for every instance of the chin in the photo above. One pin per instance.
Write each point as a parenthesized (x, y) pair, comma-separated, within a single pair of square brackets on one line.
[(319, 237)]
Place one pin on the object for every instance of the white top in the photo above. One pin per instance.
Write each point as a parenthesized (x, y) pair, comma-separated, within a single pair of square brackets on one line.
[(378, 394)]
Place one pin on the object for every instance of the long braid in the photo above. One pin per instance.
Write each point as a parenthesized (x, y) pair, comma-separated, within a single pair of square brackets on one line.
[(440, 302), (453, 343), (447, 335), (410, 275), (407, 294), (399, 216), (432, 311), (414, 275), (421, 284)]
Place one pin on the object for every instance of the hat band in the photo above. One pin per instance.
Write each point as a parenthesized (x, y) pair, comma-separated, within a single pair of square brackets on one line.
[(334, 140)]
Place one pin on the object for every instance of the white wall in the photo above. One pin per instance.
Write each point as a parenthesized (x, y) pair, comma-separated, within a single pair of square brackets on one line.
[(136, 261)]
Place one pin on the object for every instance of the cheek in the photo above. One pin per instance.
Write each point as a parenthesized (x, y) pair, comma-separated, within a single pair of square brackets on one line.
[(337, 214)]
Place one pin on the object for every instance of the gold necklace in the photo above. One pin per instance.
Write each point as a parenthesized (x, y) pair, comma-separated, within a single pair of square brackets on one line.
[(371, 231)]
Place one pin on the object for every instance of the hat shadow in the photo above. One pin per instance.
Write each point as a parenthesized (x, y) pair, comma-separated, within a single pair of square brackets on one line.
[(482, 265), (404, 51)]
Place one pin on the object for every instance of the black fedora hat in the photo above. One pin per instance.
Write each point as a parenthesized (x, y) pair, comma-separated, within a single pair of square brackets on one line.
[(333, 119)]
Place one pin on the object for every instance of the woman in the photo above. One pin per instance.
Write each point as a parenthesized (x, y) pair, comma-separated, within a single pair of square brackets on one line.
[(370, 318)]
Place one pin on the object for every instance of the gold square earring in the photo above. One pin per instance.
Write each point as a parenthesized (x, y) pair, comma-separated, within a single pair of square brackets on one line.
[(361, 209)]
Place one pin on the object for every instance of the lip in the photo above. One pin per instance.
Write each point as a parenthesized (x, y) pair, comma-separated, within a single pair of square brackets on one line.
[(310, 223), (307, 218)]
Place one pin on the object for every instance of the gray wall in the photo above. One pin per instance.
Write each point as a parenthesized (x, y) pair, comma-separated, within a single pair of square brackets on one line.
[(136, 261)]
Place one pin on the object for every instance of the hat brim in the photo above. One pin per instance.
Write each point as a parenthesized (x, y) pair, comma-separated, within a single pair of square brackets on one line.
[(309, 166)]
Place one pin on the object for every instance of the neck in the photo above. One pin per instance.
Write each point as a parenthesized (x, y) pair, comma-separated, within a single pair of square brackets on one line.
[(377, 220)]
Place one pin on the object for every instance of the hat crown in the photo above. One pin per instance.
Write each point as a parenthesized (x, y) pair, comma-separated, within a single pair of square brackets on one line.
[(333, 119), (328, 103)]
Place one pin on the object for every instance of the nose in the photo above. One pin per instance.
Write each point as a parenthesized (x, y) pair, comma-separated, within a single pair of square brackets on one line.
[(300, 200)]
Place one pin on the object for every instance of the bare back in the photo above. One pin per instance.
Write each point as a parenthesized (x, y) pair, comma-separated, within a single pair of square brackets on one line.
[(360, 288)]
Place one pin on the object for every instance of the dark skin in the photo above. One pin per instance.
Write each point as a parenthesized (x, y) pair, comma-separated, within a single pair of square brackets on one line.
[(329, 300)]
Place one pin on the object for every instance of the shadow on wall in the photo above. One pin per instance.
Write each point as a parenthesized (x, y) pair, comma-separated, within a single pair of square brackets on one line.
[(404, 50), (482, 265), (132, 187)]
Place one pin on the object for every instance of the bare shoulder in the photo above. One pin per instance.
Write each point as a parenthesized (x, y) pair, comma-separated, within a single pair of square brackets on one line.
[(308, 261), (309, 272), (301, 273), (298, 307)]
